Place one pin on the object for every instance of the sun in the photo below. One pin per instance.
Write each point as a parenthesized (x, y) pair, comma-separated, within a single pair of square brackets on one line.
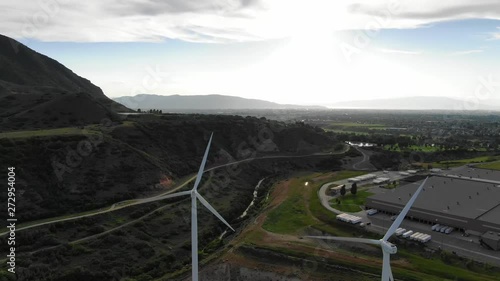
[(306, 67)]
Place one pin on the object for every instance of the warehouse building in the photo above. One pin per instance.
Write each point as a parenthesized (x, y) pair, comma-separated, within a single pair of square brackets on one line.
[(463, 203)]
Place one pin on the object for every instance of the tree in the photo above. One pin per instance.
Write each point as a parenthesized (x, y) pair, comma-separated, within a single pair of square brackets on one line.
[(139, 110), (342, 190), (354, 188)]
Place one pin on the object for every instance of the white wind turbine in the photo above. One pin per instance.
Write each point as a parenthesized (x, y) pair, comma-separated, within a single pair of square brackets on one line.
[(194, 216), (387, 248)]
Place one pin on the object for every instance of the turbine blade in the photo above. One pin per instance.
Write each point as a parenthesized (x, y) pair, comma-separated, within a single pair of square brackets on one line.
[(386, 267), (403, 213), (194, 238), (202, 166), (209, 207), (347, 239)]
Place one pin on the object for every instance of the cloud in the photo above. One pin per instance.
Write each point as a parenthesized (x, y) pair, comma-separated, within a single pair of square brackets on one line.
[(495, 35), (216, 21), (430, 10), (467, 52), (403, 52)]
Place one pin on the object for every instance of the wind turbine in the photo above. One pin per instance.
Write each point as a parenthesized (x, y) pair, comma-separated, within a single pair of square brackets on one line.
[(387, 247), (194, 215)]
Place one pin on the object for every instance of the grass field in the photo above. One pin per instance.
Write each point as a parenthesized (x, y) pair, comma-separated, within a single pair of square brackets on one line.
[(421, 148), (68, 131), (44, 133), (302, 208), (351, 203), (363, 125), (491, 166), (460, 162)]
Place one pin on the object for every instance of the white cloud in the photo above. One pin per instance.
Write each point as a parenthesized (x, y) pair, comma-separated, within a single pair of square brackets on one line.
[(466, 52), (403, 52), (221, 20), (495, 35)]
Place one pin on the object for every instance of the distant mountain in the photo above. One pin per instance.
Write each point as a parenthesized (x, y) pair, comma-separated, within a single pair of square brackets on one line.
[(200, 102), (419, 103), (39, 92)]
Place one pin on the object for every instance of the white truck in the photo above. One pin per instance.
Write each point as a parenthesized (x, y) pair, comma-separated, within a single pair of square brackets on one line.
[(400, 231), (426, 238), (407, 234)]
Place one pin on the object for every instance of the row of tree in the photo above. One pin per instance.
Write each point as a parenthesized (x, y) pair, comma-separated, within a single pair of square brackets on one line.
[(154, 111)]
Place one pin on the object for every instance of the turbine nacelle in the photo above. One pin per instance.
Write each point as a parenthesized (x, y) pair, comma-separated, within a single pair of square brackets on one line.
[(388, 247)]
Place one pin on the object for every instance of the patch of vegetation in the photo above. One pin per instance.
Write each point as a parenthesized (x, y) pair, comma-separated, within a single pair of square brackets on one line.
[(449, 267), (48, 132), (351, 203), (291, 215), (302, 208), (491, 166), (460, 162)]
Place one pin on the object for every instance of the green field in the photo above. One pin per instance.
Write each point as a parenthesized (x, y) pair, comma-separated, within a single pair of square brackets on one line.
[(364, 125), (460, 162), (296, 213), (48, 132), (351, 203), (412, 148), (491, 166), (345, 131), (67, 131)]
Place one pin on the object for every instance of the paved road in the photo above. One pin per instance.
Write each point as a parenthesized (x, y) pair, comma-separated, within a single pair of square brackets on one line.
[(454, 242), (128, 203), (364, 164)]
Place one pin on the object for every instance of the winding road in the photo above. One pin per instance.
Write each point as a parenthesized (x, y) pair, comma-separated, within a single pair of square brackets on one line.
[(138, 201), (364, 164)]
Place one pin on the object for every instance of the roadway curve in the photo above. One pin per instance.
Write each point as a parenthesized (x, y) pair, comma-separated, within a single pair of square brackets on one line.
[(364, 164), (138, 201)]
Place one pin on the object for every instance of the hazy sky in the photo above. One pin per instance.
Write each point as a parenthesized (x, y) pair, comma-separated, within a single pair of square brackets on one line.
[(303, 52)]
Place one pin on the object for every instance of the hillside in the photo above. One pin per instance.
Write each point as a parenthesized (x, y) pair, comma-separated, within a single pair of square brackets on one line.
[(81, 169), (39, 92), (178, 103), (59, 175)]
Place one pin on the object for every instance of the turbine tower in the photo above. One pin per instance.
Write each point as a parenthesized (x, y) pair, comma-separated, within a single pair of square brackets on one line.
[(194, 213), (387, 247)]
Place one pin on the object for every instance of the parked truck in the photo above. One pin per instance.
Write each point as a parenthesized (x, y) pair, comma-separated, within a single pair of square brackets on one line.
[(407, 234)]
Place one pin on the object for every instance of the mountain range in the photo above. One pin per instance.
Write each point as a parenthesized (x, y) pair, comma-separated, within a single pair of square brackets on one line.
[(178, 103), (420, 103)]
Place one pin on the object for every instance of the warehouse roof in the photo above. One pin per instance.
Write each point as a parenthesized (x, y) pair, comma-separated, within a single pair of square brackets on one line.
[(460, 197), (476, 173)]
